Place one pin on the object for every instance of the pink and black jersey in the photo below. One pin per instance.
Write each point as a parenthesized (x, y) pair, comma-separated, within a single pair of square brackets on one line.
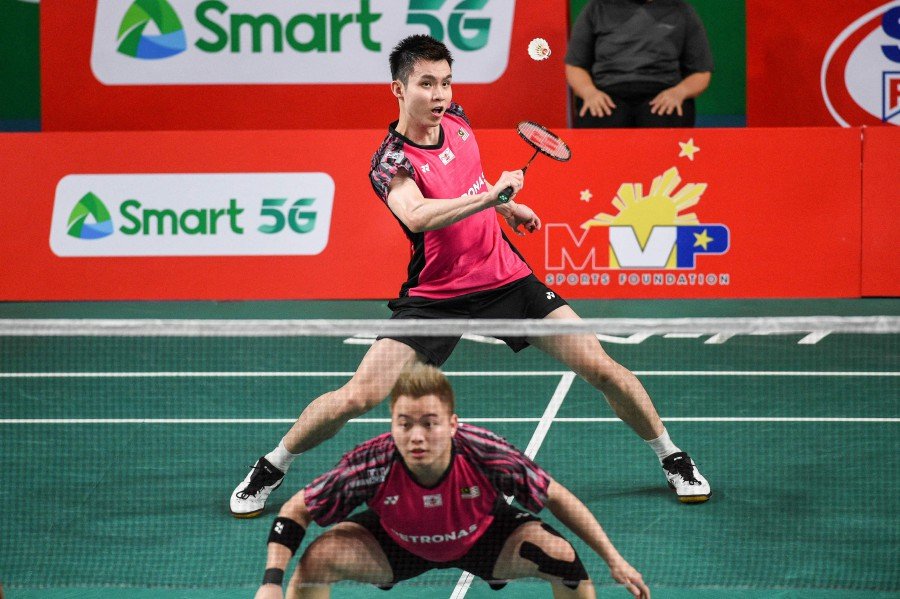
[(470, 255), (438, 523)]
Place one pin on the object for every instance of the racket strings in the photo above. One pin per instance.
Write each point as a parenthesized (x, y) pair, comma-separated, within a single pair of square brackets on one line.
[(544, 141)]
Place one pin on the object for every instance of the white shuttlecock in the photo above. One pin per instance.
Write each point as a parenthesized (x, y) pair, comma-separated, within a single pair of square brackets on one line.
[(539, 49)]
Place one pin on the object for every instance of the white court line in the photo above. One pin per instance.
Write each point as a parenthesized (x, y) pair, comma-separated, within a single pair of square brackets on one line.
[(565, 383), (484, 420), (508, 373)]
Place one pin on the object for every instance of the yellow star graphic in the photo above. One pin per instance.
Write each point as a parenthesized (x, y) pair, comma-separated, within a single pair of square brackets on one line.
[(702, 239), (688, 149), (586, 195)]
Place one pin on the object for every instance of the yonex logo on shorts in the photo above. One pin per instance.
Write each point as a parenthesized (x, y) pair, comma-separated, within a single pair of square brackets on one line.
[(391, 500)]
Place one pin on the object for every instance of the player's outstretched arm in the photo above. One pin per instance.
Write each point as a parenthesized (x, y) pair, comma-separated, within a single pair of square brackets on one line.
[(289, 528), (579, 519), (420, 214)]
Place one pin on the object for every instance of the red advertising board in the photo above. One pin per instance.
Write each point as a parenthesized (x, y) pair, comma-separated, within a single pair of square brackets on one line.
[(818, 65), (364, 257), (651, 214), (753, 213), (282, 64), (881, 225)]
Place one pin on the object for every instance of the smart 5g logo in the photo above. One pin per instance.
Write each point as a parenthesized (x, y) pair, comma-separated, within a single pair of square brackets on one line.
[(299, 221), (228, 214), (190, 42), (467, 33)]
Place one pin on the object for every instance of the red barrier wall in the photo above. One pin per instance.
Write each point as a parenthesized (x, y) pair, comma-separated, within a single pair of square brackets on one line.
[(74, 99), (714, 214), (881, 224)]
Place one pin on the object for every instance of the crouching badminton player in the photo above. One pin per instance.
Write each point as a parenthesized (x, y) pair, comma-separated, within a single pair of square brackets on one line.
[(434, 490)]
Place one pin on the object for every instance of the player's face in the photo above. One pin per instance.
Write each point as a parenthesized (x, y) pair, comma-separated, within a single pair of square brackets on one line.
[(427, 93), (423, 430)]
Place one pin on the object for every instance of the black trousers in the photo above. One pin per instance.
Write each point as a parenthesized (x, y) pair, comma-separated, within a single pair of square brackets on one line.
[(634, 112)]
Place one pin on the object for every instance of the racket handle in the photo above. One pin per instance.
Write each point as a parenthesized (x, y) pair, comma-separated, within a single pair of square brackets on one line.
[(506, 194)]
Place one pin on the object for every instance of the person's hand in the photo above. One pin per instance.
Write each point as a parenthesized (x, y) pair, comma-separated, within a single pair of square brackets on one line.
[(598, 103), (269, 591), (625, 574), (668, 101), (522, 215), (514, 179)]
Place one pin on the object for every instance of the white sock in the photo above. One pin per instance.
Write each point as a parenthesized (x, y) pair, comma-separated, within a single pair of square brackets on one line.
[(663, 445), (280, 457)]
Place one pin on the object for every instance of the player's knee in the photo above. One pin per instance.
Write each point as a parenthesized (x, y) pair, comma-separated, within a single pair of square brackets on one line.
[(553, 556), (354, 399), (319, 565), (554, 544), (603, 373)]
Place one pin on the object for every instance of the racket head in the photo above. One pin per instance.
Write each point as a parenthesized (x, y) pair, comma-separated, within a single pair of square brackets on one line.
[(544, 141)]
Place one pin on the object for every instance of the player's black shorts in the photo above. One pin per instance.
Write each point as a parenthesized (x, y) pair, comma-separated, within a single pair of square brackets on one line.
[(525, 298), (479, 560)]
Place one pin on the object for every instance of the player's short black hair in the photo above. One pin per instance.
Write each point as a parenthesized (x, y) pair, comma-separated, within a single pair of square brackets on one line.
[(411, 50)]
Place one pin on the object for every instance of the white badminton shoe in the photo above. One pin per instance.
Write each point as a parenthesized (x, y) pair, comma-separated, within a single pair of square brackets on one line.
[(249, 498), (685, 479)]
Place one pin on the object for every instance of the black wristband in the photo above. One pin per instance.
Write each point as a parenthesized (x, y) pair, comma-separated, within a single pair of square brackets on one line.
[(287, 532), (273, 576)]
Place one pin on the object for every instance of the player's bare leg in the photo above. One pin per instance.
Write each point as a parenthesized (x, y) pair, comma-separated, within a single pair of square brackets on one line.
[(623, 391), (345, 552), (628, 399), (371, 383), (554, 554), (321, 420)]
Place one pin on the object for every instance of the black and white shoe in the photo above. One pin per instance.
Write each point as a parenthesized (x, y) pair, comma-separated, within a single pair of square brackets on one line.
[(249, 498), (685, 479)]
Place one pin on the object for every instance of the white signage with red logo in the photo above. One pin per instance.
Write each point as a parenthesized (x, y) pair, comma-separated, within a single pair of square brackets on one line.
[(861, 69)]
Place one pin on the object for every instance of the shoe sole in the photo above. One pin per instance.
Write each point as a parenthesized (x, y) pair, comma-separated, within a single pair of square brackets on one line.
[(248, 515), (691, 498)]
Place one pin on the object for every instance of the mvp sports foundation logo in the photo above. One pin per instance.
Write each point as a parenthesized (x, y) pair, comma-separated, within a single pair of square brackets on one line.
[(860, 77), (246, 214), (650, 233), (189, 42)]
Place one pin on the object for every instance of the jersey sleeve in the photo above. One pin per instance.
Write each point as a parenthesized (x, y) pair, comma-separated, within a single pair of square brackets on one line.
[(389, 160), (457, 110), (334, 495), (509, 470)]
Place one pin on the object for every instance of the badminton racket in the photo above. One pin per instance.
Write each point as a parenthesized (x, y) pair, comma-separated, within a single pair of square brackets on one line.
[(544, 142)]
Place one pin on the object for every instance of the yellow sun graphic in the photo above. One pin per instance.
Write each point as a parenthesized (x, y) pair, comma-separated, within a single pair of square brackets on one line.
[(658, 208)]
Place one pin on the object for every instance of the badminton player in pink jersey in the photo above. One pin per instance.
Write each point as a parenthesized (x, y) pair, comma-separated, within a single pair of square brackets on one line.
[(428, 173), (434, 494)]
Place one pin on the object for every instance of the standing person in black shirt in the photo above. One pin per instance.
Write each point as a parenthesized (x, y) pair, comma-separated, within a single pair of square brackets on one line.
[(637, 63)]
